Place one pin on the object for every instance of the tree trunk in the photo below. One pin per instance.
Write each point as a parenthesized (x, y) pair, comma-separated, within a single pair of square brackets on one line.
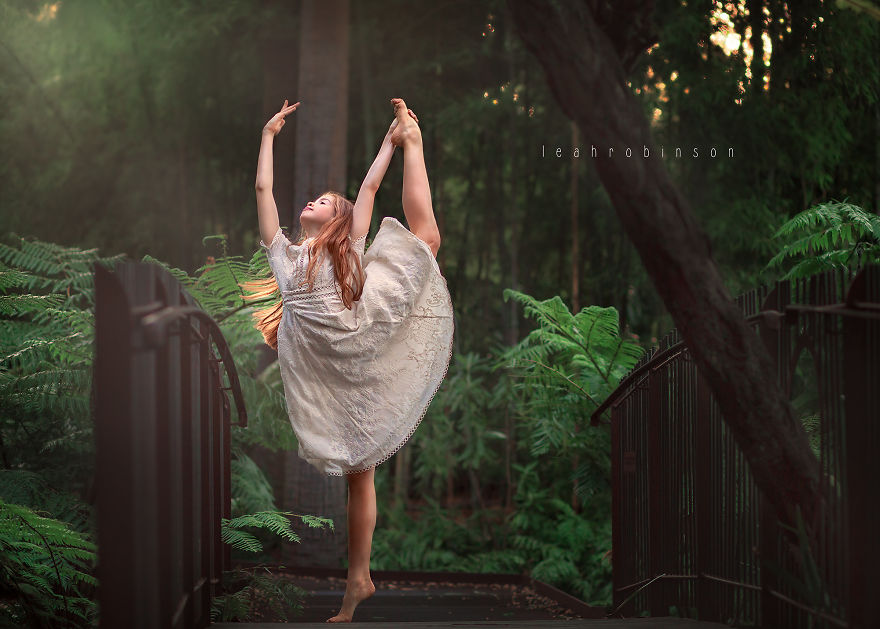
[(321, 127), (279, 78), (322, 119), (756, 21), (586, 72)]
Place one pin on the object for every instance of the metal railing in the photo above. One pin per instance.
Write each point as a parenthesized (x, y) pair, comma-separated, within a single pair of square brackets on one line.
[(690, 529), (162, 430)]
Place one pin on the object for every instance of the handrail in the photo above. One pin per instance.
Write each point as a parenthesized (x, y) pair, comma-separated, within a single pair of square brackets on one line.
[(163, 449), (653, 362), (772, 317), (155, 327)]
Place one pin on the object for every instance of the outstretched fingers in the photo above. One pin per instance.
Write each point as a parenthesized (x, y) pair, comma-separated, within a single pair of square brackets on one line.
[(286, 109)]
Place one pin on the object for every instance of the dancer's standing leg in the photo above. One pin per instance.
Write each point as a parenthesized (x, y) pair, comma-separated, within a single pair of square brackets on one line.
[(419, 213), (417, 204), (361, 524)]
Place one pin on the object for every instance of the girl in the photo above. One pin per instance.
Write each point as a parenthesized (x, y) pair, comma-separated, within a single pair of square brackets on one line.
[(363, 339)]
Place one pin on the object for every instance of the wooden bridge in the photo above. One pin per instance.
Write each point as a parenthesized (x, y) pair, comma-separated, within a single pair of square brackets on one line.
[(690, 530)]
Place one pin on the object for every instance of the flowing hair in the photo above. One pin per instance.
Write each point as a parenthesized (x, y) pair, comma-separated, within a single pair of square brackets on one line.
[(332, 240)]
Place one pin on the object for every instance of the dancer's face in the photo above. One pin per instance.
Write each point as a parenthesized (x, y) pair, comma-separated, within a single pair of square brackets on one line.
[(316, 213)]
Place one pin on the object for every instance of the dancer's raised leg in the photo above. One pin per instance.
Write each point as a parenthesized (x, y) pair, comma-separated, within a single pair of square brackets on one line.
[(361, 524), (416, 200)]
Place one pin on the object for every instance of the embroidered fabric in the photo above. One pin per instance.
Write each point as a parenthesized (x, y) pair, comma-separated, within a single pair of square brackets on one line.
[(358, 382)]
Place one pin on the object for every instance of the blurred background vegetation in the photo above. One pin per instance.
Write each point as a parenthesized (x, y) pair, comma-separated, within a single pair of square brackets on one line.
[(132, 129)]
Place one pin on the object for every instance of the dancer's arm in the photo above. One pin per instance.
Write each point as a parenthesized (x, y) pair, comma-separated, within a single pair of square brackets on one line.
[(267, 211), (363, 205)]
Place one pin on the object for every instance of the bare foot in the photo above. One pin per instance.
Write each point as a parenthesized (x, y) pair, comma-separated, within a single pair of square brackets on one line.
[(407, 130), (355, 592)]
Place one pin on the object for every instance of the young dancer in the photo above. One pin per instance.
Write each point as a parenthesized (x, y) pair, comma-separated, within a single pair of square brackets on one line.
[(364, 339)]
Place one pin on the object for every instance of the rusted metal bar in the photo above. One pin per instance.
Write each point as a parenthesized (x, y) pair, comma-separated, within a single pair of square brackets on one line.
[(659, 577), (748, 586), (809, 610)]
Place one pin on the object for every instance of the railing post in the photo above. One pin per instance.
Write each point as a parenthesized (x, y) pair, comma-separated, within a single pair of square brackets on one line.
[(706, 604), (216, 476), (616, 522), (205, 469), (163, 474), (655, 541), (113, 474), (771, 331), (862, 435)]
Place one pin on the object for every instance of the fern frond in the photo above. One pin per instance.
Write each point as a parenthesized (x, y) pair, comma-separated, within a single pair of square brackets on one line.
[(825, 236)]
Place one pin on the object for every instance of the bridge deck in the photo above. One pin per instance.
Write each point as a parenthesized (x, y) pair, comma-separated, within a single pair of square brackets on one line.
[(415, 600), (584, 623)]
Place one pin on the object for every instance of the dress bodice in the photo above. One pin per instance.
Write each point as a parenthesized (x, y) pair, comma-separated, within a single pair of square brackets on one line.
[(290, 262)]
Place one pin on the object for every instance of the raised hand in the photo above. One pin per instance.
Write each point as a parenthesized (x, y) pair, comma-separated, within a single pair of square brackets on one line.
[(277, 121)]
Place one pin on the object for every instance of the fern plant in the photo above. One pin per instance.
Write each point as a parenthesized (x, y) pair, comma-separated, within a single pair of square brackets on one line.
[(46, 341), (567, 366), (257, 595), (831, 235), (47, 568), (251, 591), (233, 531), (581, 353)]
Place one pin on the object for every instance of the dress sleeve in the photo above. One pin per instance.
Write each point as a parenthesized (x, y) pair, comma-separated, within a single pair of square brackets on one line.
[(276, 251), (358, 245)]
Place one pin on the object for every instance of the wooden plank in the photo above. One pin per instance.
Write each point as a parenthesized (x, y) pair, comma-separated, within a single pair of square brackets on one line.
[(629, 623)]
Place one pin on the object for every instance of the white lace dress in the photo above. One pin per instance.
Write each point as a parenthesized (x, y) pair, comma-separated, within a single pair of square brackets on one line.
[(358, 382)]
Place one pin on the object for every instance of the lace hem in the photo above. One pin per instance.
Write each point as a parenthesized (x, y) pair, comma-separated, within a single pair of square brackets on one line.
[(418, 421)]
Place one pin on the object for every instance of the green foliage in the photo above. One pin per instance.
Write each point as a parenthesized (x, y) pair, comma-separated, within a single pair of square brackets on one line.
[(233, 530), (462, 429), (442, 538), (30, 489), (252, 489), (47, 568), (275, 596), (252, 591), (543, 536), (565, 548), (831, 235), (46, 347), (567, 366), (582, 354)]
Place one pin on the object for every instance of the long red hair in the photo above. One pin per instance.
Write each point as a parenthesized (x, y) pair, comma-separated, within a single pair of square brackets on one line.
[(332, 240)]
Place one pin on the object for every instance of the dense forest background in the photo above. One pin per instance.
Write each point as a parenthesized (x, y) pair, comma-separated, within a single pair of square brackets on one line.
[(133, 128)]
